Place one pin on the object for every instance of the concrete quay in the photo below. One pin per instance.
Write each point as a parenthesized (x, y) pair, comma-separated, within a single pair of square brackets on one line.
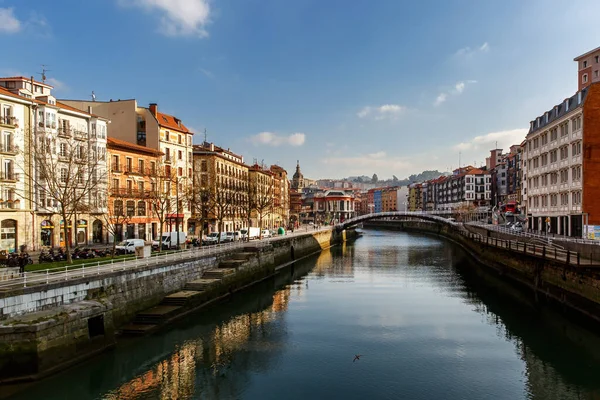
[(73, 319)]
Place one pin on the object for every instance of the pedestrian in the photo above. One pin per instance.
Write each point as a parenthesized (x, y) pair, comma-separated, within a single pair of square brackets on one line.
[(22, 262)]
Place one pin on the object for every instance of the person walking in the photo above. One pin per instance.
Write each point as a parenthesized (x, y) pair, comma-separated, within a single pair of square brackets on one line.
[(22, 262)]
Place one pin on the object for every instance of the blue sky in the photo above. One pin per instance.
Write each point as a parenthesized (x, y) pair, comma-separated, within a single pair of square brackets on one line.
[(346, 87)]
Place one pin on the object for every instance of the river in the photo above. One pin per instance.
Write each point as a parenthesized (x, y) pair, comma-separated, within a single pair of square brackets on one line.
[(427, 322)]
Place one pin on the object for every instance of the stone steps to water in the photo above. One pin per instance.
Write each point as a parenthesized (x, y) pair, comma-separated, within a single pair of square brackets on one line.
[(232, 263), (180, 298), (192, 294)]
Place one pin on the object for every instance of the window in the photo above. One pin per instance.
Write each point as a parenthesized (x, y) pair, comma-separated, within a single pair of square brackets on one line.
[(585, 64), (118, 207), (129, 187), (576, 198), (115, 163), (130, 208), (553, 134), (129, 164), (585, 78), (596, 58), (166, 136), (179, 139), (595, 73), (63, 175), (167, 154), (141, 166), (180, 171), (141, 206), (63, 150), (180, 155), (115, 184), (576, 149)]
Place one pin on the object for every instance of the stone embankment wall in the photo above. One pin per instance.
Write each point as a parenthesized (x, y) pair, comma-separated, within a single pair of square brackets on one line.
[(577, 288), (46, 328)]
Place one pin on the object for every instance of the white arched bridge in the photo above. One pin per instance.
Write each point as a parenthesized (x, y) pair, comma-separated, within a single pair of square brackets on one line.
[(443, 217)]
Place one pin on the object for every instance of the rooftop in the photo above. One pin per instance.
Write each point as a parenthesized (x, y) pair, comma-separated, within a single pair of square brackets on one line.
[(559, 110), (114, 143), (586, 54)]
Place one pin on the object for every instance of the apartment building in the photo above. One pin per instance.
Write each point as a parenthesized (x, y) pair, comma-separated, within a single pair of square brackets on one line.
[(559, 168), (588, 66), (15, 187), (55, 148), (467, 188), (225, 177), (281, 196), (148, 127), (130, 181), (333, 206)]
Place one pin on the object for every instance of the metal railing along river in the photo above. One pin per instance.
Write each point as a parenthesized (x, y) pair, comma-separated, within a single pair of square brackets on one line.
[(67, 272)]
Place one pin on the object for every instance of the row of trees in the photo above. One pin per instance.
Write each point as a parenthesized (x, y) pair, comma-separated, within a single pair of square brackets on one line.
[(70, 177)]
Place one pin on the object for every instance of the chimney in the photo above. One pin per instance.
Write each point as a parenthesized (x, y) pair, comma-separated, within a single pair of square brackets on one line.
[(578, 98), (212, 147), (566, 105), (154, 109), (90, 109)]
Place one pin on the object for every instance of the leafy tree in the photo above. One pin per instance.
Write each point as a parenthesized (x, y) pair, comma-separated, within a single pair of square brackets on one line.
[(374, 179)]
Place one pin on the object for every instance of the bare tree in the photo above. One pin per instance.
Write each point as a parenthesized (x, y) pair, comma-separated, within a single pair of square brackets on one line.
[(222, 205), (115, 219), (201, 201), (65, 175), (160, 194), (248, 205), (262, 198)]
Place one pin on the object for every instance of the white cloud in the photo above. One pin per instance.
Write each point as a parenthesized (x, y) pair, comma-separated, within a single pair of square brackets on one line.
[(276, 139), (207, 73), (468, 52), (504, 140), (180, 17), (385, 111), (457, 90), (8, 22), (440, 99)]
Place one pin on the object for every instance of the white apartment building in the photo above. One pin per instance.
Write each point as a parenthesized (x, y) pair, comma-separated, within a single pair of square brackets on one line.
[(15, 189), (553, 169), (60, 127)]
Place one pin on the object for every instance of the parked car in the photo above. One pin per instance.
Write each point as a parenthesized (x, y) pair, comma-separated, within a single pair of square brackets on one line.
[(517, 227), (213, 238), (128, 246), (266, 233), (169, 240), (252, 231), (230, 236)]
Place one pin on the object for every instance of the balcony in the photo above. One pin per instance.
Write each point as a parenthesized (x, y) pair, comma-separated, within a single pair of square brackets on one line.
[(9, 176), (10, 204), (168, 160), (65, 133), (80, 135), (116, 169), (9, 121), (129, 193), (8, 148)]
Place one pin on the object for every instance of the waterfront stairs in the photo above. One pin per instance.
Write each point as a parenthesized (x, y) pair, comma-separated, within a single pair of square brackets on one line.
[(212, 285)]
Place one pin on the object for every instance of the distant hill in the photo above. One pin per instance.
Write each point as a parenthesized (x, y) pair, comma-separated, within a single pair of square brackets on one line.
[(423, 176)]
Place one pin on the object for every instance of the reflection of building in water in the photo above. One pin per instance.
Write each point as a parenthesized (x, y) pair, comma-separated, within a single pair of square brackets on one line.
[(205, 367)]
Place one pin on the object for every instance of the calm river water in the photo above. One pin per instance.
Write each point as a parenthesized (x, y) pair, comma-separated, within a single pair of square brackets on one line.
[(427, 324)]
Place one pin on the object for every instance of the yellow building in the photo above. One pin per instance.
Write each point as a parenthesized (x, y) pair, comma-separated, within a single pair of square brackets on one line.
[(224, 176)]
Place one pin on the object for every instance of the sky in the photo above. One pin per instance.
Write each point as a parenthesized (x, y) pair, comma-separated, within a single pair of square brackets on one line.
[(346, 87)]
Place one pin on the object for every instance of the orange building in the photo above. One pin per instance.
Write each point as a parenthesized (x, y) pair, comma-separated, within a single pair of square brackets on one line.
[(130, 212)]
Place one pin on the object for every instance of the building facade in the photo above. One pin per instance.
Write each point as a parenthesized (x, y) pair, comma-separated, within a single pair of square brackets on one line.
[(130, 215), (224, 176), (148, 127)]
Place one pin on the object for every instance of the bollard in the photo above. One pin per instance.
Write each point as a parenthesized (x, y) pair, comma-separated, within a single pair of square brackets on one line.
[(24, 279), (46, 276)]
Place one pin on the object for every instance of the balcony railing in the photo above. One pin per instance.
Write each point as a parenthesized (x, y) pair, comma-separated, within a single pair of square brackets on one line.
[(9, 176), (8, 148), (131, 193), (9, 120)]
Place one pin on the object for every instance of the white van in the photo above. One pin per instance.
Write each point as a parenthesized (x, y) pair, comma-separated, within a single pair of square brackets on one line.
[(213, 238), (169, 240), (128, 246)]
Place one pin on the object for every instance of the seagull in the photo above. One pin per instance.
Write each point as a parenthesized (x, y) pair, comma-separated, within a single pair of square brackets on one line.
[(357, 357)]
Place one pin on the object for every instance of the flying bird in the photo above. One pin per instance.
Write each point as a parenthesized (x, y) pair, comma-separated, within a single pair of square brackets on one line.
[(357, 357)]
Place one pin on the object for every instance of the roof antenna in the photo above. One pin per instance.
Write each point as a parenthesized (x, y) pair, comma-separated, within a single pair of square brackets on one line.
[(93, 96), (204, 135), (43, 73)]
